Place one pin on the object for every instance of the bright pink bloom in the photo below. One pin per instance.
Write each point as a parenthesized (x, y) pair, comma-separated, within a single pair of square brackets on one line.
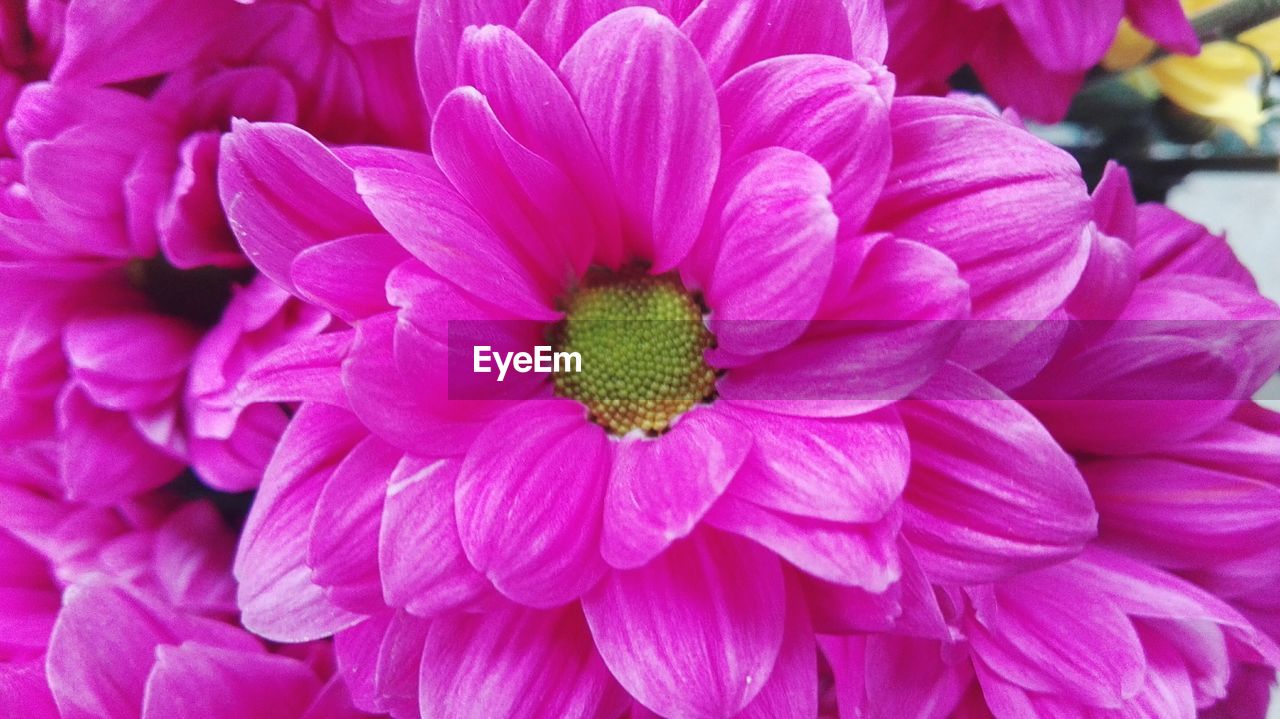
[(1101, 635), (124, 612), (757, 163), (112, 231), (1029, 54)]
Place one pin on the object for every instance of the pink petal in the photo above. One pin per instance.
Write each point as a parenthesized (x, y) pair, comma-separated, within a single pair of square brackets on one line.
[(1013, 76), (964, 181), (908, 607), (410, 412), (662, 146), (532, 104), (195, 680), (263, 171), (1168, 243), (863, 555), (277, 596), (1114, 206), (1063, 35), (971, 516), (1108, 280), (531, 204), (457, 243), (850, 470), (697, 631), (26, 690), (420, 557), (193, 230), (108, 42), (552, 26), (343, 553), (832, 110), (1042, 636), (305, 370), (356, 651), (348, 276), (399, 659), (440, 27), (1166, 22), (106, 458), (792, 689), (877, 341), (529, 501), (660, 488), (911, 677), (103, 648), (1182, 516), (735, 34), (539, 664), (870, 31), (771, 238), (359, 20)]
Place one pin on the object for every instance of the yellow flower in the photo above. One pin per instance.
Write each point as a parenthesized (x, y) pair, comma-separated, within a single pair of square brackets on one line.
[(1221, 83)]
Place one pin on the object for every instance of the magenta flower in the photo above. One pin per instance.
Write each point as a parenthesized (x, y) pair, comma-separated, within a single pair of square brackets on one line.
[(115, 249), (647, 170), (1029, 54), (125, 611), (1099, 634)]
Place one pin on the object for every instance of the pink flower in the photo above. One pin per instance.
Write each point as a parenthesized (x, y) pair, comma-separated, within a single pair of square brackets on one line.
[(1029, 54), (1097, 634), (128, 611), (613, 161), (115, 249)]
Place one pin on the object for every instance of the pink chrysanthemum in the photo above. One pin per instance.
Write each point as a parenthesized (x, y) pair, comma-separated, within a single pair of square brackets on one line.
[(1029, 54), (127, 611), (683, 165), (115, 250)]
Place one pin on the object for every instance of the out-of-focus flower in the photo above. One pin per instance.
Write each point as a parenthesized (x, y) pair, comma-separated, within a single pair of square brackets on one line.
[(129, 611), (672, 160), (1031, 55), (1222, 83), (115, 249)]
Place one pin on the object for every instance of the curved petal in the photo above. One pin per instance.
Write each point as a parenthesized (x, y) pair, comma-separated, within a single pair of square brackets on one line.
[(662, 146), (539, 664), (1064, 35), (848, 470), (875, 342), (830, 109), (862, 555), (734, 34), (660, 488), (697, 631), (771, 235), (107, 457), (106, 42), (276, 594), (440, 27), (343, 551), (528, 201), (964, 181), (195, 680), (529, 501), (348, 276), (437, 226), (533, 105), (1169, 244), (420, 557), (552, 26), (792, 689), (972, 516), (284, 192)]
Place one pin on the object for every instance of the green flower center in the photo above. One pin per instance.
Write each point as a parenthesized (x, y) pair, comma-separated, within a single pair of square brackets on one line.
[(641, 338)]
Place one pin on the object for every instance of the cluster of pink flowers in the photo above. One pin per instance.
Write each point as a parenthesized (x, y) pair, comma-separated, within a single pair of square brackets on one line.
[(889, 416)]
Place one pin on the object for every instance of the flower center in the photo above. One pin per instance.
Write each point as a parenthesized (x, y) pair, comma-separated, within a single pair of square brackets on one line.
[(198, 295), (641, 338)]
